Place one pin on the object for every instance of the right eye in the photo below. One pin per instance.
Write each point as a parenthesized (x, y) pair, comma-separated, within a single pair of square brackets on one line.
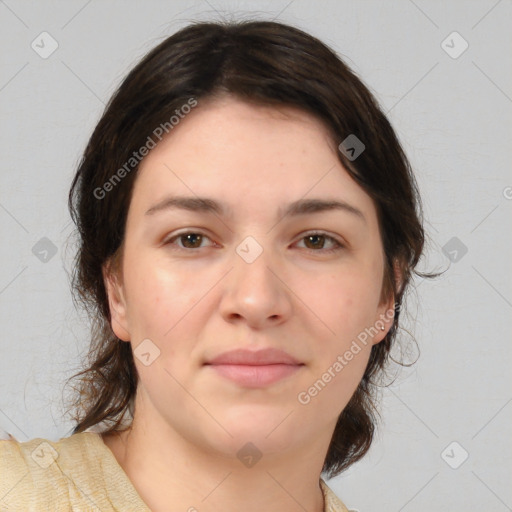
[(189, 240)]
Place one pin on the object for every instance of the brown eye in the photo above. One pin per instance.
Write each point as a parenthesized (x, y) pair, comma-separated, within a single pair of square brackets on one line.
[(316, 242), (188, 240), (191, 240)]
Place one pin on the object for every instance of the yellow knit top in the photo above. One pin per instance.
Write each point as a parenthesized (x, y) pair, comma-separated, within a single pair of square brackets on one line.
[(76, 473)]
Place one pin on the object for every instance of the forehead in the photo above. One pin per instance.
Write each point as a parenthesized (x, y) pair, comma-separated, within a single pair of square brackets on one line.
[(246, 155)]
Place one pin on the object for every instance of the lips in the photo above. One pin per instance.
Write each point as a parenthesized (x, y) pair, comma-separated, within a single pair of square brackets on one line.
[(255, 369), (257, 358)]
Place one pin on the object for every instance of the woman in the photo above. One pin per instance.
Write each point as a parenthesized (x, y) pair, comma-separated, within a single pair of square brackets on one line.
[(248, 228)]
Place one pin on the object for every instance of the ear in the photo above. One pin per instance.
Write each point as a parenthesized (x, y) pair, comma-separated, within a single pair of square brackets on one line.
[(386, 310), (117, 303), (384, 319)]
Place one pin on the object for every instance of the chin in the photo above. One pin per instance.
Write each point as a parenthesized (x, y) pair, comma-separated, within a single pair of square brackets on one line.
[(263, 428)]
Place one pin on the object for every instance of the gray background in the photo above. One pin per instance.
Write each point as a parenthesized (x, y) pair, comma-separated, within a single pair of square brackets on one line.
[(453, 116)]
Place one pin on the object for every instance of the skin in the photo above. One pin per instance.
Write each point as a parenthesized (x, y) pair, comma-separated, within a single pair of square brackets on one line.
[(198, 300)]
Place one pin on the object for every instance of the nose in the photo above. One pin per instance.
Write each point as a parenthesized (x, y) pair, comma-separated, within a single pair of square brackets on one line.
[(256, 292)]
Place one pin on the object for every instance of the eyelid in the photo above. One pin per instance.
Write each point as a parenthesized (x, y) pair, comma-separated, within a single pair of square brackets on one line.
[(186, 231)]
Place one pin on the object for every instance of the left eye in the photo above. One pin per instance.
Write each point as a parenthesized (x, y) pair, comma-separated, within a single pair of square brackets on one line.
[(316, 240)]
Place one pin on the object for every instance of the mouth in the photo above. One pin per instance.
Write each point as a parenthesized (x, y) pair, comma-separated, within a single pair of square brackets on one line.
[(255, 369), (255, 376)]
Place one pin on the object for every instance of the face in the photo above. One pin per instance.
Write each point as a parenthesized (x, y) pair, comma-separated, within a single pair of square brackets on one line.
[(247, 273)]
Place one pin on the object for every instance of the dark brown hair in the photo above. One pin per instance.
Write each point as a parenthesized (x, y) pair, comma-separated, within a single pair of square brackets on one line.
[(266, 63)]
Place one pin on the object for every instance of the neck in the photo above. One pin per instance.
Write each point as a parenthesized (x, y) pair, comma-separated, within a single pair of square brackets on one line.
[(169, 471)]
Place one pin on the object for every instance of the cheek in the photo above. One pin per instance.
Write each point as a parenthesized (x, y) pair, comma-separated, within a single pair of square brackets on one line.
[(335, 381), (341, 358), (347, 305), (157, 300), (346, 302)]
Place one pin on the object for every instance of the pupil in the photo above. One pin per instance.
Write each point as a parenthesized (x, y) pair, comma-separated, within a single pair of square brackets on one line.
[(190, 238), (317, 237)]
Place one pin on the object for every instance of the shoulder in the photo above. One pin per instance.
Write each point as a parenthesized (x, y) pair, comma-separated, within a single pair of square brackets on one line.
[(332, 502), (69, 474), (38, 455), (75, 473), (33, 473), (24, 468)]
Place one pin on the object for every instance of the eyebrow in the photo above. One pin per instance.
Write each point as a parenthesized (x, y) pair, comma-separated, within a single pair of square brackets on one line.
[(299, 207)]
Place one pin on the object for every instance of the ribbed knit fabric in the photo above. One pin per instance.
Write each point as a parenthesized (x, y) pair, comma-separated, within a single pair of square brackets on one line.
[(76, 473)]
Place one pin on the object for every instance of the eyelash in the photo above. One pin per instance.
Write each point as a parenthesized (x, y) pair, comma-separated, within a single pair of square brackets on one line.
[(338, 245)]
